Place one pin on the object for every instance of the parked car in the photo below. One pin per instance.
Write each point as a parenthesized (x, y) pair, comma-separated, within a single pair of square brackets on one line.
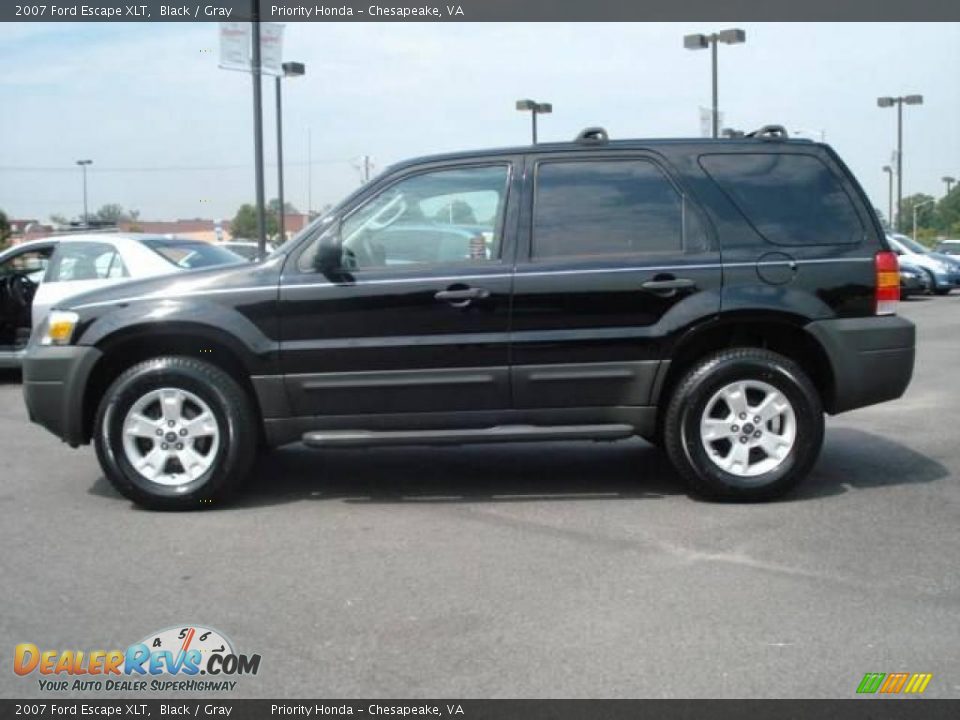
[(949, 247), (913, 280), (36, 275), (595, 303), (21, 269), (942, 271)]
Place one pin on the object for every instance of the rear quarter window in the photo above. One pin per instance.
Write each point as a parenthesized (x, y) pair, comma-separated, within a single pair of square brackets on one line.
[(789, 198)]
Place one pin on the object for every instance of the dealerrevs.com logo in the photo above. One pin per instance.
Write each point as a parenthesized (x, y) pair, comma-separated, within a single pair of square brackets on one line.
[(178, 659)]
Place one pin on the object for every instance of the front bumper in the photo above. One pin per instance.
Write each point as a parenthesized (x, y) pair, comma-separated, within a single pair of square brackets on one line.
[(946, 280), (54, 383), (11, 359), (871, 359)]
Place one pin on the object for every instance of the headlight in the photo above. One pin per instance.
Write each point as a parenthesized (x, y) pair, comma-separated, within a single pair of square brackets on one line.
[(59, 327)]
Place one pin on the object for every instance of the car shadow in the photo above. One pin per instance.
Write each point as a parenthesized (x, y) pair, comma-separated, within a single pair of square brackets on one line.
[(851, 460)]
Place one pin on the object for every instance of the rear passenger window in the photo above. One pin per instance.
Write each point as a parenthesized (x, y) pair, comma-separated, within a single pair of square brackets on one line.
[(790, 199), (602, 208), (85, 261)]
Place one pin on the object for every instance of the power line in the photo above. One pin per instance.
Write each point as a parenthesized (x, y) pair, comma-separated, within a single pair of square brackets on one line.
[(164, 168)]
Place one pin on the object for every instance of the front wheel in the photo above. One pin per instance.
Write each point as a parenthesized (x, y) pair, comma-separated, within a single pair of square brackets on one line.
[(175, 433), (744, 424)]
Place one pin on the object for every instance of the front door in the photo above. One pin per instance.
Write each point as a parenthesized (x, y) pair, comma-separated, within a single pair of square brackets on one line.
[(615, 260), (417, 318)]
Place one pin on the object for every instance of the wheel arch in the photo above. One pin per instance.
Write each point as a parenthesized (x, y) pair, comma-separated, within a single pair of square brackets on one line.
[(134, 344), (780, 332)]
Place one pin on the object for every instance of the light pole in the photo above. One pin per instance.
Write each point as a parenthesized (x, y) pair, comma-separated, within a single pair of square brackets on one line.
[(256, 72), (83, 168), (889, 171), (290, 69), (949, 182), (535, 109), (919, 205), (900, 101), (733, 36)]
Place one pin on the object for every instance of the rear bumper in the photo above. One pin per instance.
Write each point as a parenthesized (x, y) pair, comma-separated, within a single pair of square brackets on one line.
[(871, 359), (54, 382)]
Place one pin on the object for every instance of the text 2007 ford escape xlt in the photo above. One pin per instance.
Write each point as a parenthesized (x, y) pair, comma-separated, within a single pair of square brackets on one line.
[(716, 297)]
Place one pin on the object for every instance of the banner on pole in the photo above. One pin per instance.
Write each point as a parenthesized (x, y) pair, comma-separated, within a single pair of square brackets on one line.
[(235, 46), (235, 43), (271, 48)]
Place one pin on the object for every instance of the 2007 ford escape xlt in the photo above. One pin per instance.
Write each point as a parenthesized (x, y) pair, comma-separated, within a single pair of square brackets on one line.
[(715, 297)]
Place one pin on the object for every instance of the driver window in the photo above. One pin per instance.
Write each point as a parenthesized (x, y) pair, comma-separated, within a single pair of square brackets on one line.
[(441, 217), (27, 263)]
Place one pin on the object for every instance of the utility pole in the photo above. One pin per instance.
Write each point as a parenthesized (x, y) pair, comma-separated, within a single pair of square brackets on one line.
[(733, 36), (258, 134), (309, 175), (900, 101), (281, 229), (889, 171), (83, 168)]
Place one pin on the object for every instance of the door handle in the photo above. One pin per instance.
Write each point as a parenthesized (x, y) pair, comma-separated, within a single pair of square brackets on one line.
[(462, 296), (668, 284)]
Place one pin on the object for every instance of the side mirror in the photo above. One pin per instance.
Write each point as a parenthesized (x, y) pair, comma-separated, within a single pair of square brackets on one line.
[(329, 259)]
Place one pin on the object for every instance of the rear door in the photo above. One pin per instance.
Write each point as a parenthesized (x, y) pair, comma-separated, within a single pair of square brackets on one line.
[(615, 260)]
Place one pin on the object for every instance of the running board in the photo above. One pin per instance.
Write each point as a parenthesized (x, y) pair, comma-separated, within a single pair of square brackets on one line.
[(498, 434)]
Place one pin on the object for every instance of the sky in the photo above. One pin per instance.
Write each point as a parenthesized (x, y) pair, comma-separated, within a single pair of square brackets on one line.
[(171, 135)]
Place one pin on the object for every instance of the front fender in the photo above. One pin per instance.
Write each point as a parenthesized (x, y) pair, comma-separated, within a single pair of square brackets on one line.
[(250, 334)]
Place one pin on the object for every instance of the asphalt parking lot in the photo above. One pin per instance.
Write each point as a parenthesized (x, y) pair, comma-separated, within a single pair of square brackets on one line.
[(552, 570)]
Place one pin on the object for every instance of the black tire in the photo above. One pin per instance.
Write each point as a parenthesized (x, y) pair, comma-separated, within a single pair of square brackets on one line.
[(933, 281), (942, 291), (231, 407), (689, 401)]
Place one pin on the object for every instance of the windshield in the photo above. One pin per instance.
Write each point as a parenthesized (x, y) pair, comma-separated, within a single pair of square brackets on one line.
[(192, 255)]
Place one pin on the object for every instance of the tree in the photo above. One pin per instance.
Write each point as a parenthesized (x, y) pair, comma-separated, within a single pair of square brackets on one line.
[(244, 223), (4, 229), (58, 219), (114, 213), (926, 215), (948, 212), (273, 207)]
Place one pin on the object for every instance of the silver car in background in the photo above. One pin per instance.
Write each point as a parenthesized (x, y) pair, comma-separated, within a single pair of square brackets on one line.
[(942, 270), (37, 275)]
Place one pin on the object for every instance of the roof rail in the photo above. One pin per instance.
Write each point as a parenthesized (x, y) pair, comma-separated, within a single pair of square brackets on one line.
[(770, 132), (592, 136)]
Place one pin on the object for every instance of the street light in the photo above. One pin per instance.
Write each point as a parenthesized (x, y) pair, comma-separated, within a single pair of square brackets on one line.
[(919, 205), (889, 171), (949, 181), (535, 109), (83, 167), (733, 36), (900, 101), (290, 69)]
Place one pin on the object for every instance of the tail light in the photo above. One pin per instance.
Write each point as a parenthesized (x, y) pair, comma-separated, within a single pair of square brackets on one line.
[(888, 282)]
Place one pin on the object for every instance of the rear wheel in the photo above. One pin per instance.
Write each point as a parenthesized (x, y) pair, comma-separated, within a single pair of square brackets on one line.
[(175, 433), (744, 424)]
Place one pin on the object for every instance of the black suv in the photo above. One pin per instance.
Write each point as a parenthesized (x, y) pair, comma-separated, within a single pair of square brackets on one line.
[(715, 297)]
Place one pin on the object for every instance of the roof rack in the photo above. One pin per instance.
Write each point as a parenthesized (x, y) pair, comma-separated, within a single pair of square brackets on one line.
[(592, 136), (770, 132)]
